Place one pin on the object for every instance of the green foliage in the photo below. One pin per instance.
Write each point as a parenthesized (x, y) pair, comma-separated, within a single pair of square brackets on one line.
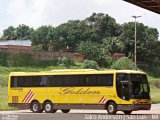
[(21, 59), (3, 59), (65, 61), (44, 35), (147, 42), (95, 36), (4, 99), (123, 64), (113, 45), (107, 61), (90, 64), (45, 63), (152, 71), (4, 80), (91, 50), (21, 32), (9, 33)]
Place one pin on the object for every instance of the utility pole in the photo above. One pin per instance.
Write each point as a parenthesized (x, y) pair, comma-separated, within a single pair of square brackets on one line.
[(135, 36)]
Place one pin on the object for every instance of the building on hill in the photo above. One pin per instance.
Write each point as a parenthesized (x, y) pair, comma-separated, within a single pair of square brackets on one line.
[(24, 46), (16, 44)]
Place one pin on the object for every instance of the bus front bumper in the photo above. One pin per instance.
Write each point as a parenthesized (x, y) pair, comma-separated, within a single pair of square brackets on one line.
[(133, 107)]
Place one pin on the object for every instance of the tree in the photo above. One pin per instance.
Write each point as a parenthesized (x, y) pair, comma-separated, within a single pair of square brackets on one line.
[(70, 33), (124, 63), (23, 32), (103, 26), (113, 45), (146, 38), (91, 50), (9, 33), (44, 35)]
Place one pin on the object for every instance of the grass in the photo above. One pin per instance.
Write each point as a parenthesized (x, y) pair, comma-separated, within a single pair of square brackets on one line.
[(3, 99), (4, 72), (155, 95)]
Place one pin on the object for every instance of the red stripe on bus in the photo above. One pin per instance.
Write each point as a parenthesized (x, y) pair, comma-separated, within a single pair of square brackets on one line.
[(26, 96), (101, 99), (30, 98), (104, 100)]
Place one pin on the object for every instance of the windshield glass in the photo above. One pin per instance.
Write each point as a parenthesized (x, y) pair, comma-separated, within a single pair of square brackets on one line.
[(132, 86), (140, 87)]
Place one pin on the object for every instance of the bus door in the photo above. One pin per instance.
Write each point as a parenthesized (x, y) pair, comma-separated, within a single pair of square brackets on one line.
[(125, 90)]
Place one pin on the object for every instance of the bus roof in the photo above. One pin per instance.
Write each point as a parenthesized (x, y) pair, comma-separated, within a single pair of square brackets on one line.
[(74, 72)]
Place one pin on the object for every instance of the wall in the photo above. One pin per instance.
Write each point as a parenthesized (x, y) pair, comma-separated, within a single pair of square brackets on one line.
[(41, 55)]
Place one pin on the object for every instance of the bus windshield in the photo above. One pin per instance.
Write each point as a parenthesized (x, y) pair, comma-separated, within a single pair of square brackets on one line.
[(132, 86), (140, 87)]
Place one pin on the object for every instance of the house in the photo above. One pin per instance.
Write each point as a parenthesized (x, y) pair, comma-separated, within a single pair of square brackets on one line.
[(16, 44)]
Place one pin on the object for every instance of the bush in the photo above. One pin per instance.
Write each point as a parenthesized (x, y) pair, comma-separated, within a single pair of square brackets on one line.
[(106, 62), (90, 64), (123, 64), (157, 84), (152, 71), (21, 59), (44, 63), (4, 80), (3, 58), (65, 61)]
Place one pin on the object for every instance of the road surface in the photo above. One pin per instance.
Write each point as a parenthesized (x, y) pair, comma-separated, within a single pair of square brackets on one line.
[(153, 114)]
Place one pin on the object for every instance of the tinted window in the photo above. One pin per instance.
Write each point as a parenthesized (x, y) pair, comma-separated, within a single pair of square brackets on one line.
[(90, 80), (105, 80), (72, 80), (62, 80), (56, 81), (83, 80), (27, 81)]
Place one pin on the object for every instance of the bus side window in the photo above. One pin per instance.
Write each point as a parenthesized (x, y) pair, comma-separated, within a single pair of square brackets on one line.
[(86, 80), (44, 80), (14, 81)]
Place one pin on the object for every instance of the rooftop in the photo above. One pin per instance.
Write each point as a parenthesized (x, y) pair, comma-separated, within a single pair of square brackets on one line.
[(16, 42)]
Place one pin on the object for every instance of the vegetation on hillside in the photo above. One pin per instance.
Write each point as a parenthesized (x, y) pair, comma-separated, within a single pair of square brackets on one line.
[(97, 37)]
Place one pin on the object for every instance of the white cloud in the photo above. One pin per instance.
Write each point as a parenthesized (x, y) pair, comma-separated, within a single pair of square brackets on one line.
[(44, 12)]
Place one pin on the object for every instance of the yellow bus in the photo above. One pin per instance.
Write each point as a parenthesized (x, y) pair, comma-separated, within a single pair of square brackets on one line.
[(49, 91)]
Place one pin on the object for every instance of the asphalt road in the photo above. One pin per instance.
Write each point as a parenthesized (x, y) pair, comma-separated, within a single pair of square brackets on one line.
[(153, 114)]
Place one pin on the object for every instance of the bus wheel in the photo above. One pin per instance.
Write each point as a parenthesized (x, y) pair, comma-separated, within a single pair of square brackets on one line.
[(127, 112), (111, 108), (65, 110), (35, 107), (48, 107)]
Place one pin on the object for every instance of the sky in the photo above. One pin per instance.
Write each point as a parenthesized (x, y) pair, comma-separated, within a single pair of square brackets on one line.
[(36, 13)]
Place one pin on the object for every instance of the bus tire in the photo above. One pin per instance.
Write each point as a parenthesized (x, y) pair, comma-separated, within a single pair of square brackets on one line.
[(48, 107), (127, 112), (65, 110), (111, 108), (35, 107)]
